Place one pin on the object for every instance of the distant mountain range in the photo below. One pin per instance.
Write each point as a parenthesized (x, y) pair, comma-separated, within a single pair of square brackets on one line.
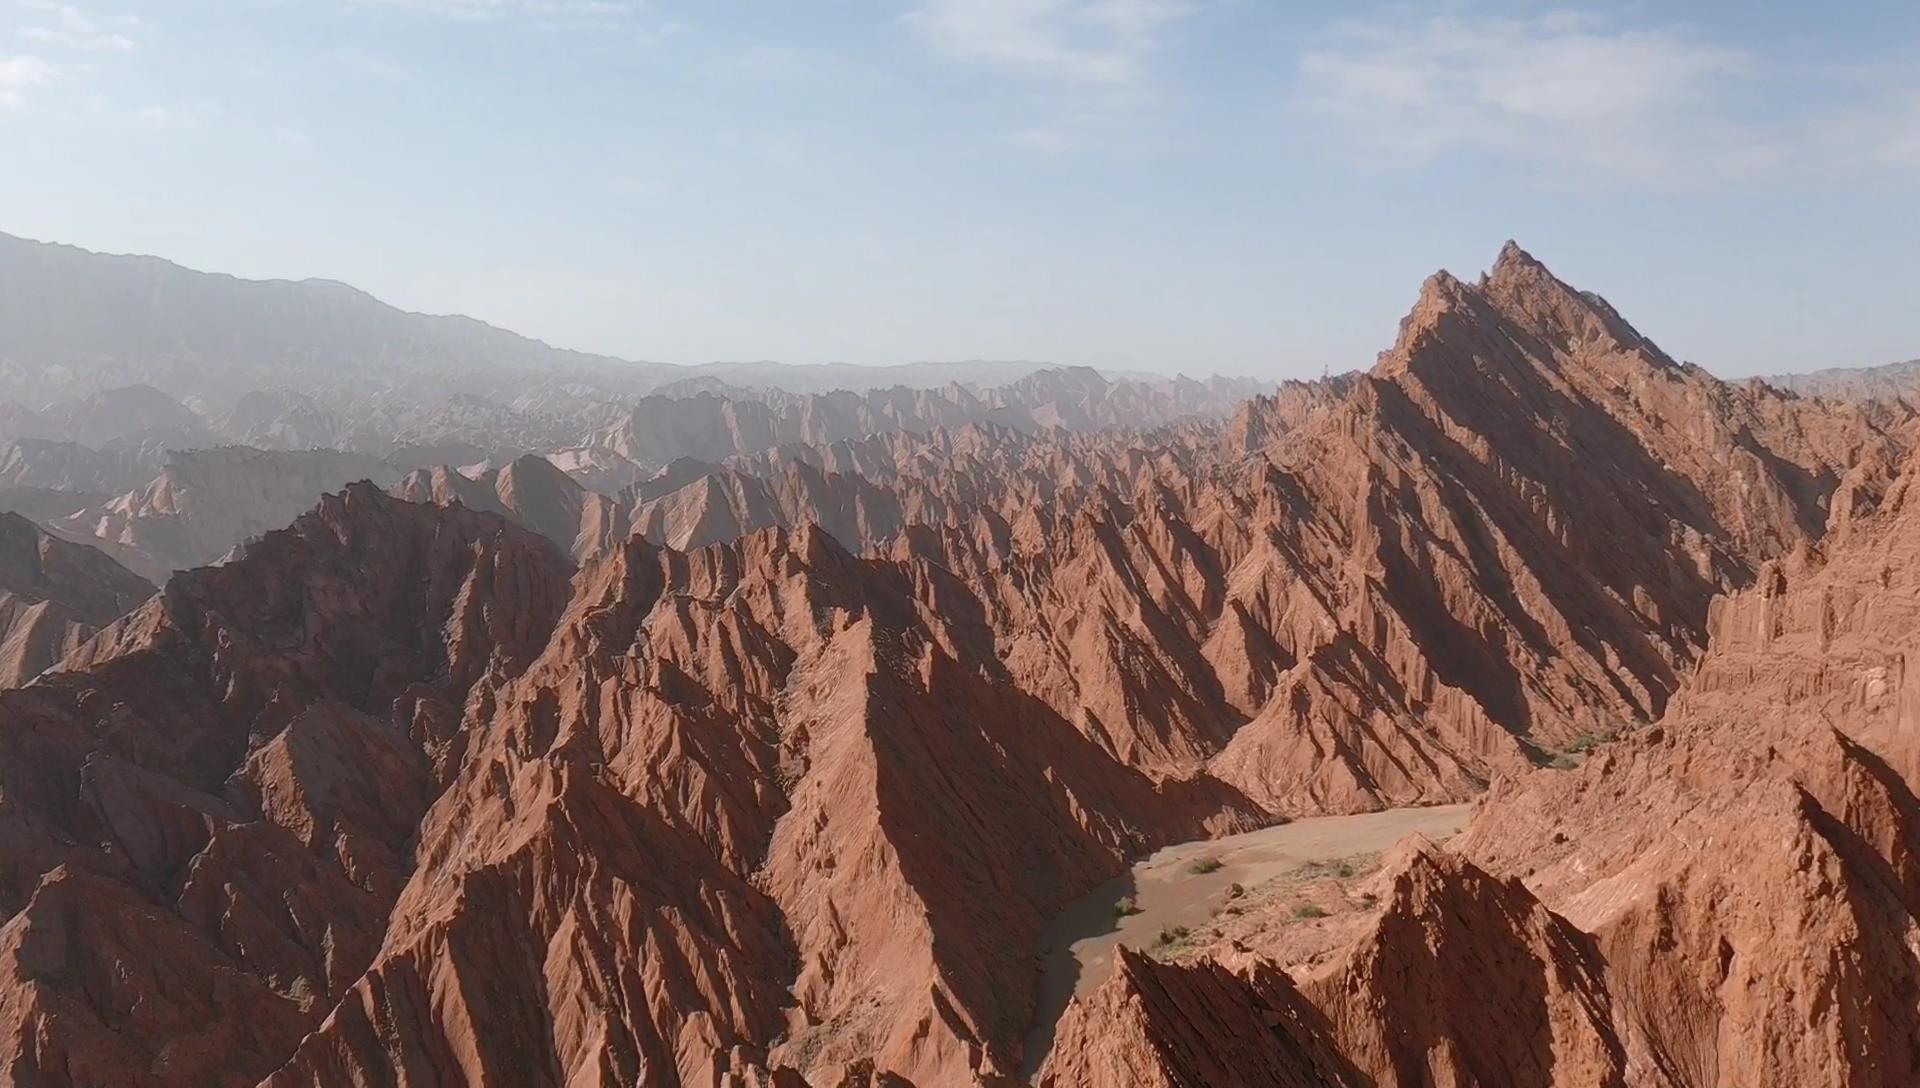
[(1854, 383), (74, 323)]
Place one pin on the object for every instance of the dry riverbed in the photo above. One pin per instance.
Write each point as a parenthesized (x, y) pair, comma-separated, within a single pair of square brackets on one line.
[(1180, 888)]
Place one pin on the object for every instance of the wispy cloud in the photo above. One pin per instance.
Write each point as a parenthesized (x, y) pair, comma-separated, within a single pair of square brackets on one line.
[(1647, 105), (1094, 42), (555, 14), (66, 42), (66, 26), (20, 74), (1086, 66)]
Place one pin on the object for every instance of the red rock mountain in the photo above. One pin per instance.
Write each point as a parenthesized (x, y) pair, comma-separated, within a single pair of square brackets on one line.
[(208, 815), (774, 771), (1512, 527), (1726, 897)]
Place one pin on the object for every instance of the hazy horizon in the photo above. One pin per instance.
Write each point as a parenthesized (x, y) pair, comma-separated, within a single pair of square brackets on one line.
[(1135, 185)]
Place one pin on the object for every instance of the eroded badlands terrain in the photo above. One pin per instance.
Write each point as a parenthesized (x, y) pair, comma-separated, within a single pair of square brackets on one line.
[(742, 735)]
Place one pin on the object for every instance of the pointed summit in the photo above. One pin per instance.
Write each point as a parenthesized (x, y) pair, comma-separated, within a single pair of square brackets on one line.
[(1517, 272), (1514, 257)]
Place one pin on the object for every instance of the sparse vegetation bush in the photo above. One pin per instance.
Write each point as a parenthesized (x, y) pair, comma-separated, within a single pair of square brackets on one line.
[(1340, 868), (1125, 907), (1309, 910), (1590, 741), (1206, 865), (1569, 757), (1171, 936)]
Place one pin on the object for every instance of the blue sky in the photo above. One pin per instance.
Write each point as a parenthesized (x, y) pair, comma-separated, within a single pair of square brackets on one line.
[(1196, 185)]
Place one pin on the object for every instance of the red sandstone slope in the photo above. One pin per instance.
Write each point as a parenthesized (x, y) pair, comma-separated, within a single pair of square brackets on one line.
[(54, 595), (1164, 1025), (760, 791), (1748, 869), (1731, 897), (206, 817)]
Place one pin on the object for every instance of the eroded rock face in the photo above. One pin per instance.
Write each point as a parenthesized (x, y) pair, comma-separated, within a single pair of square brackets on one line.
[(207, 815), (1461, 979), (1164, 1025), (1746, 869), (1728, 897), (712, 427), (757, 791), (53, 596)]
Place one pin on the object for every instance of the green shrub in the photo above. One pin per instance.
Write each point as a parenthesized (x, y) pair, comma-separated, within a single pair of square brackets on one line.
[(1125, 906), (1309, 910), (1206, 865)]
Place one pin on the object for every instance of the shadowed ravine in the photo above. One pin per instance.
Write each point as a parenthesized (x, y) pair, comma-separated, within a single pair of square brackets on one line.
[(1076, 950)]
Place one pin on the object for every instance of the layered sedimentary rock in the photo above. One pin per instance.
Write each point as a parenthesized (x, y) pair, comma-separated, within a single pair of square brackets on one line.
[(1746, 868)]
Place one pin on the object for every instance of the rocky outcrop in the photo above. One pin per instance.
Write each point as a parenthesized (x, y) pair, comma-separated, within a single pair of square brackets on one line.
[(69, 466), (53, 596), (1166, 1025), (1460, 979), (532, 492), (1745, 868), (1895, 383)]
